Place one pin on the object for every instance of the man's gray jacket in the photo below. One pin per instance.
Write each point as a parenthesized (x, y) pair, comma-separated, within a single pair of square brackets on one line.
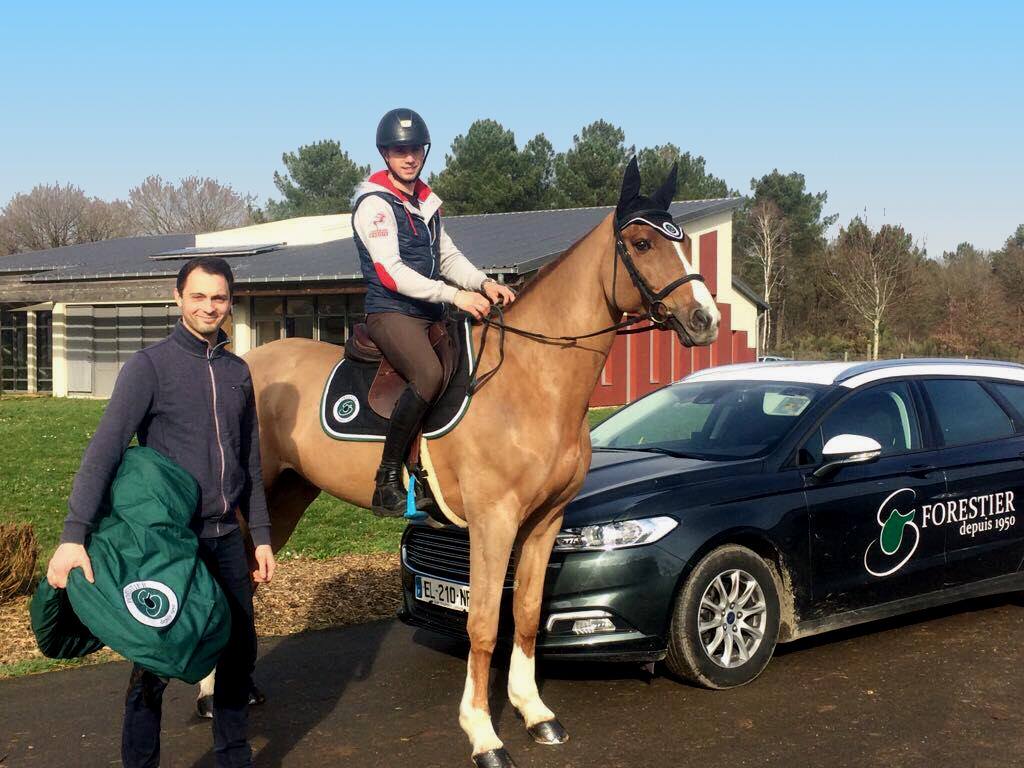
[(193, 404)]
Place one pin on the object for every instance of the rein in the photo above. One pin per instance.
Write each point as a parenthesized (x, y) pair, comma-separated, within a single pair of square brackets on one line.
[(654, 300)]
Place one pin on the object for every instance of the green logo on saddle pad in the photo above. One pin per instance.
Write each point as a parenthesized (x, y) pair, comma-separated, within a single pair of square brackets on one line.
[(151, 603), (346, 409)]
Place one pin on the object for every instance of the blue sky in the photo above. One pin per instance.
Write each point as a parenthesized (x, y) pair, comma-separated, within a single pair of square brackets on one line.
[(912, 111)]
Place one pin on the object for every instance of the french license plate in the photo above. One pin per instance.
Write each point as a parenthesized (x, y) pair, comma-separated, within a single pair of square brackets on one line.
[(444, 593)]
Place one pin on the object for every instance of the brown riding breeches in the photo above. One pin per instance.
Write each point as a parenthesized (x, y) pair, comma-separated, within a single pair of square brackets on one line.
[(405, 344)]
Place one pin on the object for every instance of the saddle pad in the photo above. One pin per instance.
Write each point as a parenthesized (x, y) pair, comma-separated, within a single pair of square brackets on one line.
[(346, 415)]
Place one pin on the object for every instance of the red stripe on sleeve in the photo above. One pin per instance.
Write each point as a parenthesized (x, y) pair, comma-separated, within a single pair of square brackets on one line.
[(387, 280)]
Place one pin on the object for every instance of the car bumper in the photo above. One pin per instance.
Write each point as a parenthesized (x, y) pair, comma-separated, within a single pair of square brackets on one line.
[(634, 588)]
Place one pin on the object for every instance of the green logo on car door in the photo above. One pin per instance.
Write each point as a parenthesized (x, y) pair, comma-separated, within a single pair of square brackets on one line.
[(899, 537)]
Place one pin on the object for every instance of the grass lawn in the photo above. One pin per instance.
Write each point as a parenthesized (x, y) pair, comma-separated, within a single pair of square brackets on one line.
[(41, 444)]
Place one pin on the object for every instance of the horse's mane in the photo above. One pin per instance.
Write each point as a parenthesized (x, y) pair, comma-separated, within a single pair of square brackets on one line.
[(548, 269)]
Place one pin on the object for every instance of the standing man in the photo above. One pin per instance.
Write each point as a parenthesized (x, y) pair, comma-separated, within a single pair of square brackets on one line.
[(412, 268), (192, 401)]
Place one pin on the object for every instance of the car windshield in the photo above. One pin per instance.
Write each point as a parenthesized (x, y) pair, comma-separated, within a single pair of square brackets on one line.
[(716, 420)]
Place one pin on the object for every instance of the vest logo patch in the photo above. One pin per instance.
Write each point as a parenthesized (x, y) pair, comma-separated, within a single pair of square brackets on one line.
[(151, 603)]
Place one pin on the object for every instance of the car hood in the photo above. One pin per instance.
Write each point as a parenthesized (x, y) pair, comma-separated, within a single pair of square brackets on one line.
[(625, 484)]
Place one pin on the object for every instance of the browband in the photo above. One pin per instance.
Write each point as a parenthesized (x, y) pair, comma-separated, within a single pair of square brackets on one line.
[(660, 220)]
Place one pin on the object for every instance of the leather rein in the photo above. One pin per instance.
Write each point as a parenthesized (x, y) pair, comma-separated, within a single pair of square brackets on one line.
[(657, 313)]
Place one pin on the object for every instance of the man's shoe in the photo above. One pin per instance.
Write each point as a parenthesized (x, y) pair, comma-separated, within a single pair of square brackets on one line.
[(389, 497)]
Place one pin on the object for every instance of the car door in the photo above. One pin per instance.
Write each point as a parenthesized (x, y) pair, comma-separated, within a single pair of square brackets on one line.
[(867, 545), (983, 516)]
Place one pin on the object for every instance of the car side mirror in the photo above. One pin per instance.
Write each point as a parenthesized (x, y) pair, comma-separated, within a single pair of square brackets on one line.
[(842, 450)]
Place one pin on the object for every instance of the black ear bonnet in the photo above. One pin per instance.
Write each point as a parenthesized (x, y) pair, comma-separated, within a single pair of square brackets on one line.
[(635, 208)]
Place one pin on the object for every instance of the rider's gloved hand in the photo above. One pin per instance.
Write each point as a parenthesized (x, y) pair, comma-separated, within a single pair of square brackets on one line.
[(473, 303)]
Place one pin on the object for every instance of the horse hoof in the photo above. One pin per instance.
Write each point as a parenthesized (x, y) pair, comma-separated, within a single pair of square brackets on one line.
[(548, 732), (204, 706), (494, 758)]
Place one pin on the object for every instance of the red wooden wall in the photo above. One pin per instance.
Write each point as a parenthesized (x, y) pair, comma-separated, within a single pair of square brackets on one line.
[(641, 363)]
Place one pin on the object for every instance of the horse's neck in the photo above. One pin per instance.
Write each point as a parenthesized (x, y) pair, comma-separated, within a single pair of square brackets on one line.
[(568, 298)]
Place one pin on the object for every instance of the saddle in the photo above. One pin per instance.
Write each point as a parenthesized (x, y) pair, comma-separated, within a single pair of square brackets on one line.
[(388, 383)]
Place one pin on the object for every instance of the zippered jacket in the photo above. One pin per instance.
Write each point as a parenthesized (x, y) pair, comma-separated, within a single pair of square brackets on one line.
[(408, 260), (154, 601), (194, 405)]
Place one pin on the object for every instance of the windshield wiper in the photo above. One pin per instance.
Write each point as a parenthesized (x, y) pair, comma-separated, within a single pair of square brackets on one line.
[(655, 449)]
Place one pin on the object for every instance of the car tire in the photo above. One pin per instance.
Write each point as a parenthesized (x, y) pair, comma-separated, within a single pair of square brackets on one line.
[(707, 645)]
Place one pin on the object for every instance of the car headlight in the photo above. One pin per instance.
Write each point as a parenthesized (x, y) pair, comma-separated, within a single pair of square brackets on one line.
[(628, 533)]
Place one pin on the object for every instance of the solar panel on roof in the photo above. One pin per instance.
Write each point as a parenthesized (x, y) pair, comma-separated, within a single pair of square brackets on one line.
[(217, 250)]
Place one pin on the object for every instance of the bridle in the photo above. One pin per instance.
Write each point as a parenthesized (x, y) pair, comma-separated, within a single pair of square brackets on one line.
[(657, 313)]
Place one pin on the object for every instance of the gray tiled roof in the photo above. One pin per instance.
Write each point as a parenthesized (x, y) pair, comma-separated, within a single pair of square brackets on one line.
[(105, 253), (501, 242)]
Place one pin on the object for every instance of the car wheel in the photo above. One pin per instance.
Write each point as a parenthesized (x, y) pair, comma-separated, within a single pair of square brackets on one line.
[(725, 622)]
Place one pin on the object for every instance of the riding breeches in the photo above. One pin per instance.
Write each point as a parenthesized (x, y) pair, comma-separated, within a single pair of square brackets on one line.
[(406, 345)]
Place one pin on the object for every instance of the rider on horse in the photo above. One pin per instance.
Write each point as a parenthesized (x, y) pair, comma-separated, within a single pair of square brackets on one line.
[(404, 253)]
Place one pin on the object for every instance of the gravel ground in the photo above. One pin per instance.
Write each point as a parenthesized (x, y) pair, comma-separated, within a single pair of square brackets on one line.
[(306, 594)]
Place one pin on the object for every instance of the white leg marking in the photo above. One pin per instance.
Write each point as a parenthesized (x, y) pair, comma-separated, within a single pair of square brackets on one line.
[(206, 685), (476, 722), (522, 689), (700, 291)]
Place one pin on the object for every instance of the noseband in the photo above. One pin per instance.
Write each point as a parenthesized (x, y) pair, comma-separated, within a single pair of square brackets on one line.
[(657, 312)]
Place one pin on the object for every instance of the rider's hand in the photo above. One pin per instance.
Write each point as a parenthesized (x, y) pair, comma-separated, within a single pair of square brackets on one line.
[(495, 291), (474, 303), (66, 557), (265, 564)]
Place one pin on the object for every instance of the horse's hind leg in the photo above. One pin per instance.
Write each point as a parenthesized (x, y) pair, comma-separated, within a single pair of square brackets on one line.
[(536, 539), (491, 540)]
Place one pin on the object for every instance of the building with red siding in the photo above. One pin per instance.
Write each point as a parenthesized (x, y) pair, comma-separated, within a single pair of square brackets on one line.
[(70, 317)]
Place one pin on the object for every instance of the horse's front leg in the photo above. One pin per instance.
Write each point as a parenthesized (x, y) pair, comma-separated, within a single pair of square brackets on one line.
[(491, 539), (536, 539)]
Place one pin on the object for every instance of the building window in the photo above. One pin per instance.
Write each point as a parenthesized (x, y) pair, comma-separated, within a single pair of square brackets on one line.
[(267, 316), (13, 351), (298, 320), (44, 351), (328, 318)]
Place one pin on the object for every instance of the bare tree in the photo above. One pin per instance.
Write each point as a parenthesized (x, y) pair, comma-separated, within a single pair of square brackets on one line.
[(869, 273), (195, 205), (52, 216), (767, 245)]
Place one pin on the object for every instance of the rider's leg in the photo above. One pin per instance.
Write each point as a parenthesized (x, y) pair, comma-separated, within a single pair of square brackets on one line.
[(405, 344)]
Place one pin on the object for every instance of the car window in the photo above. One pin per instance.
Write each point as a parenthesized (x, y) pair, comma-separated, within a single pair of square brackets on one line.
[(965, 411), (885, 413), (1012, 392), (712, 420)]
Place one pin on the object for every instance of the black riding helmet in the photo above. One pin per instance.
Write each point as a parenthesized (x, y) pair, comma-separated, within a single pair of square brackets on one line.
[(402, 127)]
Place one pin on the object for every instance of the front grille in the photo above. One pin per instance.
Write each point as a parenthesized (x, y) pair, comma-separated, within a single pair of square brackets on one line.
[(444, 553)]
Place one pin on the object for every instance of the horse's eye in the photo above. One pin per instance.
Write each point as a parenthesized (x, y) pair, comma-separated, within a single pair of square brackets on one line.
[(643, 245)]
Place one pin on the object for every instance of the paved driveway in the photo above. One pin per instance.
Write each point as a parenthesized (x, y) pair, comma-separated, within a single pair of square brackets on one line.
[(938, 689)]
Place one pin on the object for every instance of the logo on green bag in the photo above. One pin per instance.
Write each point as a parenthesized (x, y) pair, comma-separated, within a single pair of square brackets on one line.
[(151, 603)]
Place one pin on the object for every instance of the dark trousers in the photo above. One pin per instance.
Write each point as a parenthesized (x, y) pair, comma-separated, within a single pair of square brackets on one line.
[(226, 560), (406, 345)]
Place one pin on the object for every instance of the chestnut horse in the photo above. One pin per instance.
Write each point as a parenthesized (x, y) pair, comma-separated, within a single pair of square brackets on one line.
[(520, 453)]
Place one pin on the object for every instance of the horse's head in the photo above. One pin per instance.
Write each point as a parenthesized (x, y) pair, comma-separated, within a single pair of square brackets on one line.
[(656, 255)]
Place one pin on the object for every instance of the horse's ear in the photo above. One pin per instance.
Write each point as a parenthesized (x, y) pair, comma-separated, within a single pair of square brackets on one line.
[(630, 184), (663, 197)]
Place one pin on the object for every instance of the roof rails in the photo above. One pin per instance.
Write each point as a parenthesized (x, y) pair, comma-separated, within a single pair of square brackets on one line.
[(878, 365)]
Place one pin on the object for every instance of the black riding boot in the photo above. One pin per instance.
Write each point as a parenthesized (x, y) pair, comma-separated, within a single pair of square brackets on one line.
[(389, 496)]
